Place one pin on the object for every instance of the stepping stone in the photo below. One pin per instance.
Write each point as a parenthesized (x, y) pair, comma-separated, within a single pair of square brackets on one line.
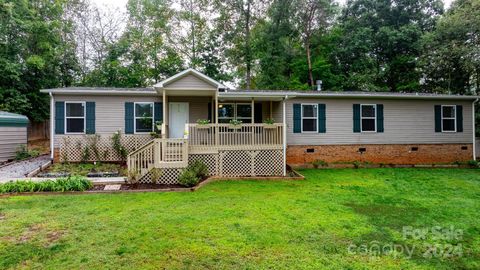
[(112, 187)]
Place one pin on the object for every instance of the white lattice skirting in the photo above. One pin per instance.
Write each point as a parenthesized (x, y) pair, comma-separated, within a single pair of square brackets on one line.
[(225, 163), (97, 148)]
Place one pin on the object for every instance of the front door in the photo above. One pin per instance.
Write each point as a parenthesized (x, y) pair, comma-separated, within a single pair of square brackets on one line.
[(178, 117)]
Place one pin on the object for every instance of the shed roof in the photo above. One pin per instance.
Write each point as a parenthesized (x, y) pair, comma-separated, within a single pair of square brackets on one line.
[(8, 119)]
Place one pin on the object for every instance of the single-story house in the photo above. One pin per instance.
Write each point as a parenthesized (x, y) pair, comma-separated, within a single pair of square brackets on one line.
[(277, 127), (13, 134)]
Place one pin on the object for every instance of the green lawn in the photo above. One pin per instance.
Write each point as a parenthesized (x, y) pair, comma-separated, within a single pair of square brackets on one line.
[(320, 222)]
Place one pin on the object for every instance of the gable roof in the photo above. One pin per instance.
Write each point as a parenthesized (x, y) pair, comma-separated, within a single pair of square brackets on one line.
[(186, 73)]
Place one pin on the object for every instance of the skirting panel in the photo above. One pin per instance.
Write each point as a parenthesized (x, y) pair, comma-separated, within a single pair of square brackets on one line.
[(237, 163), (167, 176), (78, 148)]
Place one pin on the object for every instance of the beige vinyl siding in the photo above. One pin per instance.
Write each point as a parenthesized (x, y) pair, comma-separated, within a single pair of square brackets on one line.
[(10, 139), (197, 106), (405, 122), (109, 111), (189, 82)]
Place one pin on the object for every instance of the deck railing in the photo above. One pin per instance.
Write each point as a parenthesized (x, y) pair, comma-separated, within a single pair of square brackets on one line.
[(227, 137), (159, 153)]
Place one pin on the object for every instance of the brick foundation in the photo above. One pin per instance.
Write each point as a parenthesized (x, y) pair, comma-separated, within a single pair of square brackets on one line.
[(300, 155), (56, 155)]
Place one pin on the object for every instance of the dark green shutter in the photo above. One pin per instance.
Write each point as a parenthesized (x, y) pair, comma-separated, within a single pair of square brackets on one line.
[(59, 117), (380, 118), (356, 117), (209, 115), (321, 119), (438, 118), (297, 118), (158, 113), (258, 113), (129, 118), (90, 115), (459, 111)]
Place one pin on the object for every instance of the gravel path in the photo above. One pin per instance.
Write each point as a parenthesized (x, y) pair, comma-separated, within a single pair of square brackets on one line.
[(20, 168)]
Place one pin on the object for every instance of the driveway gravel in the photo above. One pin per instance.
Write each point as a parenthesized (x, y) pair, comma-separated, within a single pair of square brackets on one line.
[(21, 168)]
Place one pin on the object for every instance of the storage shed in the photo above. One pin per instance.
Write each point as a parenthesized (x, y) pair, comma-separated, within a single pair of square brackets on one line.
[(13, 134)]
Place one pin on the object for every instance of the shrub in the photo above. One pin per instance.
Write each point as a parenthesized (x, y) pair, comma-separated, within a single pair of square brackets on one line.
[(473, 163), (117, 145), (23, 153), (318, 162), (357, 164), (188, 178), (72, 183), (200, 169)]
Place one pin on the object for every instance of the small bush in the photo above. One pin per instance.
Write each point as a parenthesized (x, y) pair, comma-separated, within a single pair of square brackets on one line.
[(357, 164), (318, 162), (200, 169), (73, 183), (188, 178), (23, 153), (473, 164)]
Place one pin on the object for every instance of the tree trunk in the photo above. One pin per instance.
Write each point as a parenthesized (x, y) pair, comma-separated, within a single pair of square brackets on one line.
[(248, 57), (309, 62)]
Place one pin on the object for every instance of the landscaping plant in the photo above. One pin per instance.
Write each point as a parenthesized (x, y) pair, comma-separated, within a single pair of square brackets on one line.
[(318, 162), (72, 183), (192, 175), (23, 153)]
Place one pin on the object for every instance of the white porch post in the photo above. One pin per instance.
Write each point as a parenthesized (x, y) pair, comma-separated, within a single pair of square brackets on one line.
[(216, 119), (165, 116), (52, 125), (284, 137)]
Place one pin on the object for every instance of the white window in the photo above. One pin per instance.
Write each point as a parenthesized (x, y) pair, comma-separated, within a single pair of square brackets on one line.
[(309, 117), (75, 117), (368, 117), (143, 117), (234, 111), (449, 121)]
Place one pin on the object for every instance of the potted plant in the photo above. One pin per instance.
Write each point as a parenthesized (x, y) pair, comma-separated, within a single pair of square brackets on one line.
[(235, 124), (269, 123), (203, 123), (158, 125)]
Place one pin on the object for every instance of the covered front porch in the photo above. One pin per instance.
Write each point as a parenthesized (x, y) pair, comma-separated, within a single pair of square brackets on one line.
[(233, 135)]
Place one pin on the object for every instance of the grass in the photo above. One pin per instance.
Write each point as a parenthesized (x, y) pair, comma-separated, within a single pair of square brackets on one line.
[(307, 224), (83, 169)]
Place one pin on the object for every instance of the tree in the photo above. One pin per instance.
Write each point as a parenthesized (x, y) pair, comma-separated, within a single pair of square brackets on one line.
[(451, 61), (381, 42), (36, 51), (236, 22), (313, 17)]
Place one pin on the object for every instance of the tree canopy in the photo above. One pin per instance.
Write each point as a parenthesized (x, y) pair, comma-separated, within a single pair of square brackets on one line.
[(367, 45)]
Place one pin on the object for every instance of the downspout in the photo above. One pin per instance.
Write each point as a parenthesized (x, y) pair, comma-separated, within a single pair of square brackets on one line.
[(52, 119), (284, 137), (473, 130)]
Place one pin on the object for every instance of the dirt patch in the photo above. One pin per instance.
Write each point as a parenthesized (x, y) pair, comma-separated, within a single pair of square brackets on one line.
[(30, 233)]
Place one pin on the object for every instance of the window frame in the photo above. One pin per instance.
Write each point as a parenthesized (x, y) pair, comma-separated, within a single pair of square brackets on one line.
[(235, 115), (308, 117), (135, 117), (227, 118), (84, 104), (368, 117), (449, 118)]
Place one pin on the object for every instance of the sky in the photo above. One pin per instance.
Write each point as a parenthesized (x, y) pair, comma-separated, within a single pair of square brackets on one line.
[(121, 3)]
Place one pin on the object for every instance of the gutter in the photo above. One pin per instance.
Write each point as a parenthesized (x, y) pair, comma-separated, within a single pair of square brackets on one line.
[(101, 92)]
